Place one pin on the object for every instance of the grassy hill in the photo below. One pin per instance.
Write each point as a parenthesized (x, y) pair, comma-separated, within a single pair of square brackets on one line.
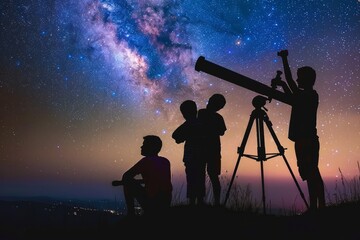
[(55, 220), (36, 221)]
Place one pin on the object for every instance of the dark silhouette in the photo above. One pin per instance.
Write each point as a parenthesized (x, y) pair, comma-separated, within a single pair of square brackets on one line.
[(188, 133), (154, 191), (260, 118), (259, 114), (302, 127), (212, 126), (238, 79)]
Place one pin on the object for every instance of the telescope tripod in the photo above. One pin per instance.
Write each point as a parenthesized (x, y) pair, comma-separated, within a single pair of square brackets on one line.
[(260, 116)]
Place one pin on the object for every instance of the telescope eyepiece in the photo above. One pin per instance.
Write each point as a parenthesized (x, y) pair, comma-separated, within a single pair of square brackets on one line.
[(283, 53)]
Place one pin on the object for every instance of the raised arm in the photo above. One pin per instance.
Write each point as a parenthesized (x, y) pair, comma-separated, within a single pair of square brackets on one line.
[(290, 81)]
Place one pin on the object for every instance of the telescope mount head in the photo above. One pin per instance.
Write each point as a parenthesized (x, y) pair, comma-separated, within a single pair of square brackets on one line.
[(259, 102)]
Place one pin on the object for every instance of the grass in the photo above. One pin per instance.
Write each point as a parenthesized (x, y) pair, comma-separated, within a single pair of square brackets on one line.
[(243, 215), (241, 198), (346, 190)]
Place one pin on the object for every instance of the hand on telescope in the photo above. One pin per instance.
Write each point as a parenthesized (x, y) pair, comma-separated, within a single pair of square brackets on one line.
[(283, 53), (277, 82)]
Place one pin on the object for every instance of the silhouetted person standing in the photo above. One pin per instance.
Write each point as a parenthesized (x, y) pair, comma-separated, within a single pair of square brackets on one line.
[(188, 133), (212, 126), (156, 194), (302, 128)]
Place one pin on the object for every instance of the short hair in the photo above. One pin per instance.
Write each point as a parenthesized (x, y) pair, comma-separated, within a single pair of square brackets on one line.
[(217, 101), (154, 142), (307, 73), (188, 108)]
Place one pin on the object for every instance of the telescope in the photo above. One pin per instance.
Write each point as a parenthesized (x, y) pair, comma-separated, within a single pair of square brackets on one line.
[(228, 75), (258, 115)]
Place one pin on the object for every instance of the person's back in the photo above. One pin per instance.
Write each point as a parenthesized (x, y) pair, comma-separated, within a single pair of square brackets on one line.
[(304, 108), (157, 179), (156, 175), (212, 125)]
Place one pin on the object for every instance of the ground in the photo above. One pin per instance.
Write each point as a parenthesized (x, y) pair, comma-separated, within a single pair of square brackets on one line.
[(180, 222)]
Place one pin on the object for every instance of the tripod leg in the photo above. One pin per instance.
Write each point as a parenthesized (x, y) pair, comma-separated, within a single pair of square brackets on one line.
[(263, 186), (240, 152), (297, 184), (261, 150), (281, 150)]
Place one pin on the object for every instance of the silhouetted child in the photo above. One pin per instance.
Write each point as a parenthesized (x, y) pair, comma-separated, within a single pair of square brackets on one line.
[(187, 133), (212, 126), (302, 127), (155, 194)]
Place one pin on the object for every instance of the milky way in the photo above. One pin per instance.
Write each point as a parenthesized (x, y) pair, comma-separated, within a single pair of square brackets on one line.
[(82, 81)]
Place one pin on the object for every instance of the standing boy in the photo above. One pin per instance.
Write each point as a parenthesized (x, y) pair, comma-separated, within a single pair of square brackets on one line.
[(187, 133), (302, 127), (212, 126)]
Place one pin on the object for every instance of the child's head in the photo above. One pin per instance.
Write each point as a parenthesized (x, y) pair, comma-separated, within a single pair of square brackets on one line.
[(306, 77), (152, 145), (216, 102), (188, 109)]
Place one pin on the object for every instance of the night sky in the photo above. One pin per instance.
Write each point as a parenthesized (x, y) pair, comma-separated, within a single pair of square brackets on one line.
[(81, 82)]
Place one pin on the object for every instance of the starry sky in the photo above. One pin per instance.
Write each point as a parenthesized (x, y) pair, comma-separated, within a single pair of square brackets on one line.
[(81, 83)]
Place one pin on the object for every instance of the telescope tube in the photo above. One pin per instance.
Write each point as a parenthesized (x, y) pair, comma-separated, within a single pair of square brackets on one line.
[(218, 71)]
